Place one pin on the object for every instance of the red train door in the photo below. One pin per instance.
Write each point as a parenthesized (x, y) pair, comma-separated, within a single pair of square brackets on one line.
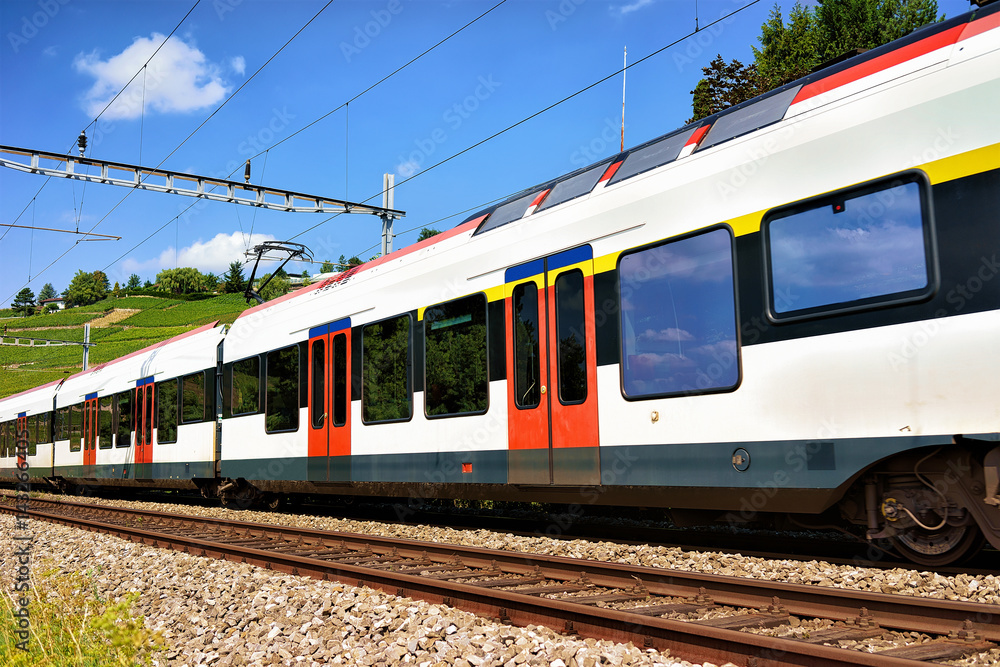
[(552, 371), (90, 430), (143, 425), (17, 440), (329, 402)]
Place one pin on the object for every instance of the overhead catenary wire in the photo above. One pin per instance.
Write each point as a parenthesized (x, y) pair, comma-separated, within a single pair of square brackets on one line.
[(305, 127), (381, 81), (541, 111)]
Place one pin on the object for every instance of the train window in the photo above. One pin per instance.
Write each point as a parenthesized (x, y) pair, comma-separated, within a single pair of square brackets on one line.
[(571, 329), (124, 426), (508, 212), (678, 317), (104, 421), (340, 379), (574, 186), (246, 386), (44, 433), (385, 371), (193, 398), (318, 399), (456, 358), (32, 435), (652, 155), (3, 440), (281, 393), (527, 387), (75, 427), (59, 424), (166, 411), (851, 249)]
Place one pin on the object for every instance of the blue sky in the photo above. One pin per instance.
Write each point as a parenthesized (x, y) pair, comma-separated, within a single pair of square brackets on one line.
[(61, 61)]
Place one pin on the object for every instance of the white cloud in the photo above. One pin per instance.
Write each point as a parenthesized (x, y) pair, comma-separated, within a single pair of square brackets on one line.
[(178, 79), (50, 51), (239, 65), (214, 255), (622, 10)]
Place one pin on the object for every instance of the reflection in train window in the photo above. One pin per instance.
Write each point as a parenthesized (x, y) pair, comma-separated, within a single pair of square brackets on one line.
[(571, 330), (340, 379), (193, 399), (678, 317), (104, 419), (527, 382), (246, 386), (847, 251), (166, 407), (385, 371), (281, 399), (124, 430), (456, 366)]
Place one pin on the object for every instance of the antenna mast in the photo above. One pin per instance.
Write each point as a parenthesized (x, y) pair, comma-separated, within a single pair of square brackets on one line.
[(624, 67)]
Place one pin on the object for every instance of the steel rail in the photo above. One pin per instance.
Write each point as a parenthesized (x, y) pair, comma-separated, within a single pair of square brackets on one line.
[(901, 612), (688, 640)]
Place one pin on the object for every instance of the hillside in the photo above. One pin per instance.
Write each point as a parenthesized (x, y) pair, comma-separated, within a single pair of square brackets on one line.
[(117, 326)]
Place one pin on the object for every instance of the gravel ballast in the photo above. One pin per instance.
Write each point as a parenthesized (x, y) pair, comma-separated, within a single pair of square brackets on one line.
[(221, 613), (216, 612)]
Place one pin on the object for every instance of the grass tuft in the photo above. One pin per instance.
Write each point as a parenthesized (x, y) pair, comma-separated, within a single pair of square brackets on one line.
[(71, 625)]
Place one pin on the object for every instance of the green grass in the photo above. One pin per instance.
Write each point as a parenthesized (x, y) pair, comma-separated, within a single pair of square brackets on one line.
[(159, 319), (141, 302), (225, 308), (70, 624), (61, 318)]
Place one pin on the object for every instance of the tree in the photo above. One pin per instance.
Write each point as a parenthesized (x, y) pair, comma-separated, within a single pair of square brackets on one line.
[(426, 233), (47, 292), (305, 278), (86, 288), (211, 282), (347, 263), (233, 280), (147, 284), (787, 53), (184, 280), (725, 85), (134, 282), (278, 286), (117, 291), (813, 35), (24, 303), (327, 267)]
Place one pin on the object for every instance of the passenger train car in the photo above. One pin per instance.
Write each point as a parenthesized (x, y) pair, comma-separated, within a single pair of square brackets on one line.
[(788, 309)]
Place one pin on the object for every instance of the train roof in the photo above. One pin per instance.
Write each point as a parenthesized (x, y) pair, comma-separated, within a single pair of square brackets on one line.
[(759, 112)]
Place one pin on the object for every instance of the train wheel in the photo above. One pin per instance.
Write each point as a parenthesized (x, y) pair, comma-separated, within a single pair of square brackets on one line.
[(938, 548)]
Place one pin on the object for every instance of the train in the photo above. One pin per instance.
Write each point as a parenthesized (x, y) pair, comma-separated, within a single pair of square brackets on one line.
[(785, 313)]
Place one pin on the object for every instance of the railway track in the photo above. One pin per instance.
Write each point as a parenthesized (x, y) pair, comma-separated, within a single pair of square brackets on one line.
[(574, 596)]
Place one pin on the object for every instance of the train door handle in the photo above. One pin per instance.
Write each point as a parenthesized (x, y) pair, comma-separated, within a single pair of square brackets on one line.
[(543, 389)]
